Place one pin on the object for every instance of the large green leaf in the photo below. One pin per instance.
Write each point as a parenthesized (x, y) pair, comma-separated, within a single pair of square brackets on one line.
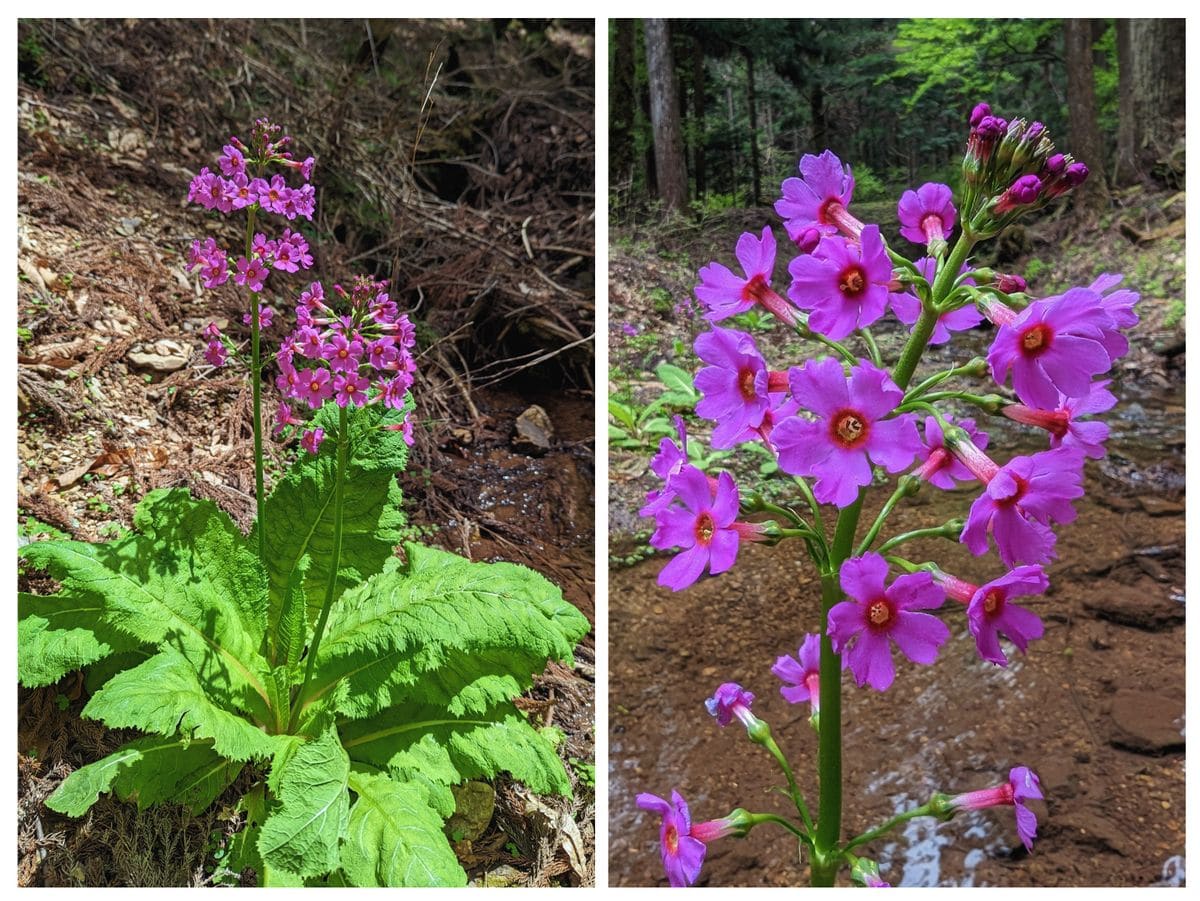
[(57, 634), (301, 832), (164, 695), (151, 770), (299, 511), (395, 838), (445, 632), (412, 742), (189, 579)]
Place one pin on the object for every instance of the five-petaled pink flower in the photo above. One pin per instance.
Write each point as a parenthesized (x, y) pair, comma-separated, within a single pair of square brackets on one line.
[(801, 678), (818, 198), (990, 610), (927, 214), (876, 615), (845, 285), (851, 430), (1023, 785), (312, 439), (726, 294), (683, 844)]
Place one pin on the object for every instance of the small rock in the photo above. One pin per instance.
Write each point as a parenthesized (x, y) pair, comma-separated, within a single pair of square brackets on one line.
[(474, 804), (127, 227), (1143, 605), (1156, 506), (1118, 503), (534, 432), (1146, 723), (162, 356)]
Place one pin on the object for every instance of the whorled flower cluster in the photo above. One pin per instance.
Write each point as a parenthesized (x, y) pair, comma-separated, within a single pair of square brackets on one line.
[(833, 419), (352, 349), (249, 184)]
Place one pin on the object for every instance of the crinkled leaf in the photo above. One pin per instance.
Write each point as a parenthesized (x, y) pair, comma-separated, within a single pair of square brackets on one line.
[(413, 742), (395, 838), (301, 832), (164, 695), (299, 511), (446, 632), (57, 634), (150, 770), (188, 579)]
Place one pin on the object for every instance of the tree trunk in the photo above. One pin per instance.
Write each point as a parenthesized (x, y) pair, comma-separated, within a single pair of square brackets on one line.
[(646, 130), (621, 106), (734, 168), (755, 172), (1081, 110), (816, 106), (698, 104), (1157, 55), (1128, 168), (664, 116)]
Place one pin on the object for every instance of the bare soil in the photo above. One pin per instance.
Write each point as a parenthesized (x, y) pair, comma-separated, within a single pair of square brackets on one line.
[(107, 147), (1096, 707)]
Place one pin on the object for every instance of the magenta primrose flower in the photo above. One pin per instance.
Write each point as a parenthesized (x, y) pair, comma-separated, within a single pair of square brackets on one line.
[(990, 610), (1020, 500), (683, 844), (801, 678), (1065, 425), (704, 525), (312, 439), (669, 460), (726, 294), (1023, 785), (731, 700), (1054, 346), (284, 417), (1118, 304), (927, 215), (216, 354), (850, 432), (735, 385), (874, 614), (818, 198), (907, 307), (844, 285), (250, 273), (940, 467)]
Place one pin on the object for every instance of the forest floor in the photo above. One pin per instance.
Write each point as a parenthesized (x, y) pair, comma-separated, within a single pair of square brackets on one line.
[(1096, 707), (115, 399)]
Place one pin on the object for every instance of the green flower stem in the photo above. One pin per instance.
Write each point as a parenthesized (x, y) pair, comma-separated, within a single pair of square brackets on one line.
[(925, 810), (988, 403), (841, 350), (950, 529), (907, 485), (754, 819), (826, 860), (256, 388), (971, 368), (872, 347), (768, 742), (811, 500), (334, 559)]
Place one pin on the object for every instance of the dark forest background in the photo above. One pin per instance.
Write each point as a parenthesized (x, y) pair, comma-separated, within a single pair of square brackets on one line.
[(713, 114)]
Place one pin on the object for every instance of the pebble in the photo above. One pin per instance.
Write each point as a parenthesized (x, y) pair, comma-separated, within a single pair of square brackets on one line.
[(1145, 722), (533, 431), (162, 356)]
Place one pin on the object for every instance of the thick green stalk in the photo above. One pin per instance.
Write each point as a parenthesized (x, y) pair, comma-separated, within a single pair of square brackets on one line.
[(256, 388), (334, 560), (919, 339), (826, 859)]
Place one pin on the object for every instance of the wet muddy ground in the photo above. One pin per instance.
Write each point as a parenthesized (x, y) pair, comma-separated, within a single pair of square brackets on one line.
[(1096, 707)]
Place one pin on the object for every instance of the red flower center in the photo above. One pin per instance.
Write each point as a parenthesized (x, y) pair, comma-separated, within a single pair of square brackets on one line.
[(756, 289), (1036, 339), (853, 281), (828, 211), (849, 428), (1020, 487), (671, 839), (746, 383), (705, 527), (314, 386), (350, 388), (993, 601), (879, 613)]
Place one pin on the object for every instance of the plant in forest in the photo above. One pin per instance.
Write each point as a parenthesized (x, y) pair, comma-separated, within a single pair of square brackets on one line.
[(834, 422), (354, 689)]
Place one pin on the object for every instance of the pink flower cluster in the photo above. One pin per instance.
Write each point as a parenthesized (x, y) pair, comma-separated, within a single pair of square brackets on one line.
[(359, 356)]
